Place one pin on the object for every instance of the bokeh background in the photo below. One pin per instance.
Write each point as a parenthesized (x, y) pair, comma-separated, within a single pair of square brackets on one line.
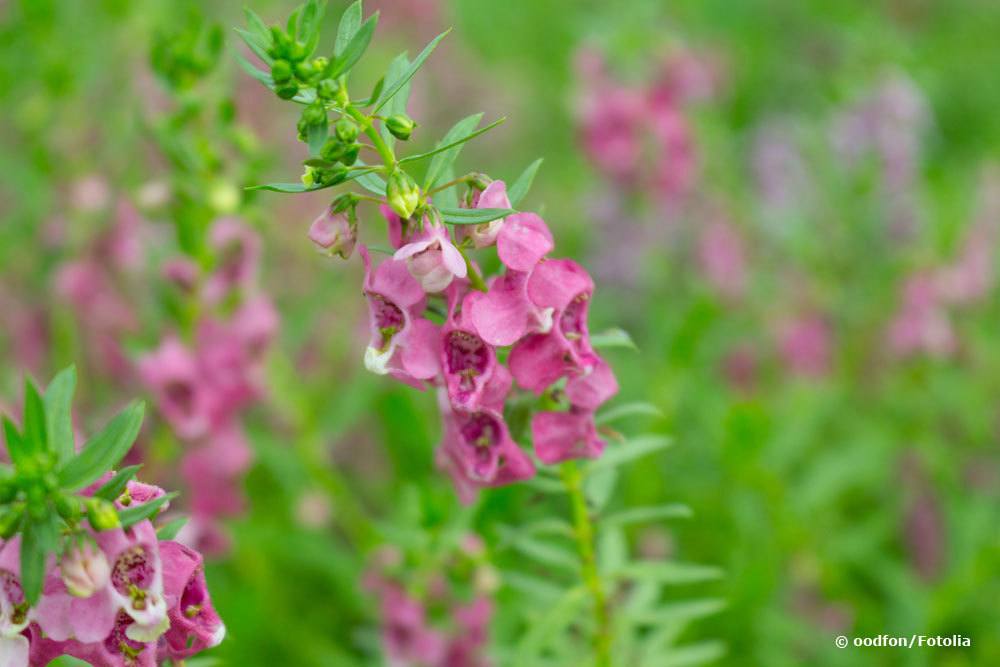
[(792, 207)]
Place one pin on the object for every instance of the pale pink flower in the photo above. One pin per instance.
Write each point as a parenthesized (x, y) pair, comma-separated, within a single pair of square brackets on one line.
[(433, 259)]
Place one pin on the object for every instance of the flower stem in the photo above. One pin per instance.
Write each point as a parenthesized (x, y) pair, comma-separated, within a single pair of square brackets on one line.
[(475, 280), (378, 143), (583, 530)]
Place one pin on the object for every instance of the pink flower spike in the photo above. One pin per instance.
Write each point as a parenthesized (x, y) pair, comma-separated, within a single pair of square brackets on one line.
[(172, 373), (194, 623), (485, 234), (538, 360), (504, 314), (467, 361), (136, 573), (433, 259), (523, 241), (593, 387), (560, 436), (237, 248)]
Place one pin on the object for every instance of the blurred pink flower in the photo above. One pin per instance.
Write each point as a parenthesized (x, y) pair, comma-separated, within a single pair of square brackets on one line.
[(921, 324), (804, 343), (722, 258)]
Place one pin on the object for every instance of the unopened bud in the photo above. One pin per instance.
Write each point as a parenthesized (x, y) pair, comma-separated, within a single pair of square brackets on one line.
[(350, 156), (281, 72), (402, 193), (334, 233), (347, 130), (287, 91), (400, 126), (69, 507), (10, 520), (327, 89), (84, 569), (333, 150), (102, 514)]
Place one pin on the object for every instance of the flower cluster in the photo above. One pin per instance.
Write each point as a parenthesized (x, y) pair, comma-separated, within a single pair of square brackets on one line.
[(443, 626), (202, 388), (537, 308), (118, 597)]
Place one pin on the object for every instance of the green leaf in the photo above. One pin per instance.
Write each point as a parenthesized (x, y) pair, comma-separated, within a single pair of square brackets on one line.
[(680, 612), (15, 442), (116, 485), (600, 486), (551, 622), (473, 216), (350, 21), (316, 137), (249, 68), (169, 530), (36, 437), (257, 45), (137, 513), (405, 76), (103, 451), (647, 514), (284, 187), (40, 538), (517, 192), (372, 182), (667, 573), (309, 24), (628, 410), (630, 450), (452, 144), (376, 91), (397, 69), (356, 48), (257, 25), (612, 338), (445, 159), (552, 554), (59, 413)]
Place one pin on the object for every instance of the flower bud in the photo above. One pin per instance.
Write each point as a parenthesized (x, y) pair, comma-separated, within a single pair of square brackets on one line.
[(402, 193), (102, 514), (334, 233), (333, 150), (288, 90), (281, 72), (68, 507), (327, 89), (347, 130), (10, 520), (84, 569), (400, 126), (350, 156)]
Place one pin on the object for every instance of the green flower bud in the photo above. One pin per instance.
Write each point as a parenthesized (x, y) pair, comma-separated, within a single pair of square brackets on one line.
[(327, 89), (10, 520), (37, 506), (333, 150), (288, 91), (350, 156), (400, 126), (69, 507), (402, 193), (102, 514), (8, 491), (347, 130), (305, 70), (332, 176), (281, 72)]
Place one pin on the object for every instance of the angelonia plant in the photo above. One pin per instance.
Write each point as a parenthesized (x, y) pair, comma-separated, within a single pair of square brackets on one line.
[(509, 353), (85, 571)]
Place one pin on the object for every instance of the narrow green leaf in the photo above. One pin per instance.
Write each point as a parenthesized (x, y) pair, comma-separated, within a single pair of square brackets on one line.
[(628, 410), (473, 216), (630, 450), (667, 573), (376, 91), (309, 24), (517, 192), (40, 538), (552, 554), (169, 530), (356, 48), (551, 623), (600, 486), (59, 413), (316, 137), (15, 442), (258, 74), (116, 485), (614, 337), (257, 25), (532, 586), (350, 21), (35, 433), (397, 69), (405, 77), (680, 612), (103, 451), (453, 144), (647, 514), (137, 513), (258, 47), (446, 158)]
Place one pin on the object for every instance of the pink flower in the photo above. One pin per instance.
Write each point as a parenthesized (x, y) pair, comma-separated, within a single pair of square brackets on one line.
[(467, 361), (407, 637), (805, 345), (921, 324), (334, 234), (194, 623), (485, 234), (467, 646), (560, 436), (15, 615), (173, 374), (136, 576), (255, 324), (402, 343), (523, 241), (84, 570), (433, 259), (237, 249), (505, 314)]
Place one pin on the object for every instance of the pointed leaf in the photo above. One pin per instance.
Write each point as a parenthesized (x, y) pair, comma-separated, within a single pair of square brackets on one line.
[(258, 46), (169, 530), (517, 192), (356, 48), (628, 410), (59, 413), (258, 74), (35, 433), (473, 216), (614, 337), (404, 78), (452, 144), (630, 450), (350, 21), (667, 573), (116, 485), (647, 514), (15, 442), (137, 513), (103, 451), (443, 161), (39, 539)]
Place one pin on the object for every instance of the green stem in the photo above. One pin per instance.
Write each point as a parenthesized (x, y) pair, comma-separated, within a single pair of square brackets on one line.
[(583, 530), (388, 158), (449, 184), (475, 279)]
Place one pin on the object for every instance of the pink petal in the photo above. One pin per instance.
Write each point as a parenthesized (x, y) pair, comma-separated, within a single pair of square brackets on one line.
[(419, 351), (592, 388), (556, 282), (501, 315), (523, 240), (559, 436), (537, 361)]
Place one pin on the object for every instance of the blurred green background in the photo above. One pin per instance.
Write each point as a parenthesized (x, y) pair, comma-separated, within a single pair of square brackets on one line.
[(804, 490)]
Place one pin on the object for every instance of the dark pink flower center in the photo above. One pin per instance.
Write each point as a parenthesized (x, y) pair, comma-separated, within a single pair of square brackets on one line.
[(573, 320), (181, 394), (232, 261), (193, 598), (387, 317), (133, 574), (15, 594), (467, 356), (119, 642)]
